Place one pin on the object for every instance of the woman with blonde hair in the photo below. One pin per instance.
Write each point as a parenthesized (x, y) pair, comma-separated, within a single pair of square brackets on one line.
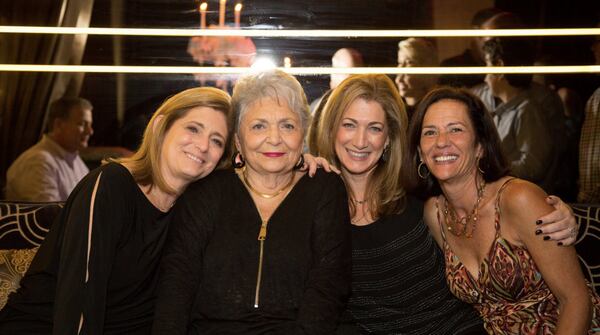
[(416, 52), (398, 282), (96, 271)]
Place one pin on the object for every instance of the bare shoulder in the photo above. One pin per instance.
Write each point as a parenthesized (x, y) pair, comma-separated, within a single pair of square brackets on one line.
[(521, 194), (522, 200)]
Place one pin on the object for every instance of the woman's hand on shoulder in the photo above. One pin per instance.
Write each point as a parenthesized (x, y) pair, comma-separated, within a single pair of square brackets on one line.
[(312, 163), (559, 225)]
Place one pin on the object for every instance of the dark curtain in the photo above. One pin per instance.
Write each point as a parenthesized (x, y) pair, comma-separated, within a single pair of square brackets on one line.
[(24, 96)]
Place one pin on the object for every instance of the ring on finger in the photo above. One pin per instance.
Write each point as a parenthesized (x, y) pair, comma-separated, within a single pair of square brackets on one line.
[(574, 231)]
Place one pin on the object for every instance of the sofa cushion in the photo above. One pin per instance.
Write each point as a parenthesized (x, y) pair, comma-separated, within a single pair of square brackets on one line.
[(24, 225), (588, 241), (13, 265)]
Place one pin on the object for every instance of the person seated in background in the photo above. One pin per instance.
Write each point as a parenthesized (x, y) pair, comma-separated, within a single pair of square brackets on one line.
[(589, 152), (49, 170), (472, 56), (416, 52), (528, 138), (262, 248), (342, 58), (478, 215)]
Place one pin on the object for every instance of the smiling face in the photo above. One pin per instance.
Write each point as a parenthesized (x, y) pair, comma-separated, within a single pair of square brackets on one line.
[(270, 137), (361, 137), (412, 87), (193, 145), (74, 132), (448, 141)]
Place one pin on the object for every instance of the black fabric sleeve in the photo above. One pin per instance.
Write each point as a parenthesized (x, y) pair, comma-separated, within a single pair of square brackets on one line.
[(328, 284), (81, 284), (182, 262)]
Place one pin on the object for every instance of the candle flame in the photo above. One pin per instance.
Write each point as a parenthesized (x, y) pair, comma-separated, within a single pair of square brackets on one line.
[(238, 7), (203, 6)]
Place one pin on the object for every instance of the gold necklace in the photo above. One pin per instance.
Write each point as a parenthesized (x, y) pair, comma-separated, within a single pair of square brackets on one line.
[(457, 226), (265, 195)]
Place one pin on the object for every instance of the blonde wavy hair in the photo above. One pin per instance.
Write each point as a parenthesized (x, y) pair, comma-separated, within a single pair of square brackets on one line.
[(385, 191), (146, 161)]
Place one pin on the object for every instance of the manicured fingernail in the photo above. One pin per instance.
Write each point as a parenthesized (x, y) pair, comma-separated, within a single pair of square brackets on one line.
[(546, 238), (559, 244), (539, 231), (538, 222)]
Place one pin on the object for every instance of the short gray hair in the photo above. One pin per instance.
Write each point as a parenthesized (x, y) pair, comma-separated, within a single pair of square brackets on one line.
[(274, 84)]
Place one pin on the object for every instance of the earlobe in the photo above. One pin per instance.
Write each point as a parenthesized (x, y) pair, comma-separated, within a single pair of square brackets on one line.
[(236, 140)]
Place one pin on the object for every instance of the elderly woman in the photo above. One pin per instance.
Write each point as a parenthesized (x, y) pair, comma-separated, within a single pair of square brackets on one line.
[(262, 248), (398, 282), (96, 271), (478, 215)]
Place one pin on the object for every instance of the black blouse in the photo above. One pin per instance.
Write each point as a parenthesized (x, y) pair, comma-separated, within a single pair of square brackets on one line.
[(398, 280), (115, 290), (210, 264)]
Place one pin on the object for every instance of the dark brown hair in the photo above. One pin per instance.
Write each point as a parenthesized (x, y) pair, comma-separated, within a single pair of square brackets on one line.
[(493, 163)]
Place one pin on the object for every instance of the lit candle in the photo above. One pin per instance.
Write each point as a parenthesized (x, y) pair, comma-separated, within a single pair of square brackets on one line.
[(238, 10), (203, 7), (287, 62), (222, 13)]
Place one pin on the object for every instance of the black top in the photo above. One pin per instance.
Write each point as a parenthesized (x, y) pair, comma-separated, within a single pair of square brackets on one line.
[(115, 290), (210, 264), (398, 280)]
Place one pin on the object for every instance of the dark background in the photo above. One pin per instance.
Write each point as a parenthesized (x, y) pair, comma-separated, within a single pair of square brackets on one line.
[(146, 91)]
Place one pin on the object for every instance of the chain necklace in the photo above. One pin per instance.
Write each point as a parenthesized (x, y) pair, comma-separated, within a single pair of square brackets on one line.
[(265, 195), (358, 202), (460, 226)]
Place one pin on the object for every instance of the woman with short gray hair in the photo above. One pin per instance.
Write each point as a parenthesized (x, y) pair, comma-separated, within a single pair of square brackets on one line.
[(260, 248)]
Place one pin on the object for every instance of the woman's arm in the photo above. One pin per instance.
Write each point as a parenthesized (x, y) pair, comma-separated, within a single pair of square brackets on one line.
[(328, 283), (523, 202), (92, 224), (181, 263)]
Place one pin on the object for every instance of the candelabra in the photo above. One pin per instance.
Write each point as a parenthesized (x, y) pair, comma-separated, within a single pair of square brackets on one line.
[(236, 51)]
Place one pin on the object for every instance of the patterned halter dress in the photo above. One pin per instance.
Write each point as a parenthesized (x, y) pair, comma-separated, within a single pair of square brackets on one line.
[(510, 293)]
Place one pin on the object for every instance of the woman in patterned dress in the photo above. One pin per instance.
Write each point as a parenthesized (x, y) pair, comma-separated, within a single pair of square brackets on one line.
[(477, 213), (398, 284)]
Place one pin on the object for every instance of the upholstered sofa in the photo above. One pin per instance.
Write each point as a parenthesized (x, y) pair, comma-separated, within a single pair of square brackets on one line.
[(24, 225)]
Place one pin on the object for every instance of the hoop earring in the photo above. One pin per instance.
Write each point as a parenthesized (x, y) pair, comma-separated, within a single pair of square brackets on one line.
[(479, 167), (419, 171), (237, 160), (300, 163), (385, 155)]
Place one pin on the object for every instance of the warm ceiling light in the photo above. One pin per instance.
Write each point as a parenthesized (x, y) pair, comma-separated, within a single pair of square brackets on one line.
[(299, 33), (298, 70)]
